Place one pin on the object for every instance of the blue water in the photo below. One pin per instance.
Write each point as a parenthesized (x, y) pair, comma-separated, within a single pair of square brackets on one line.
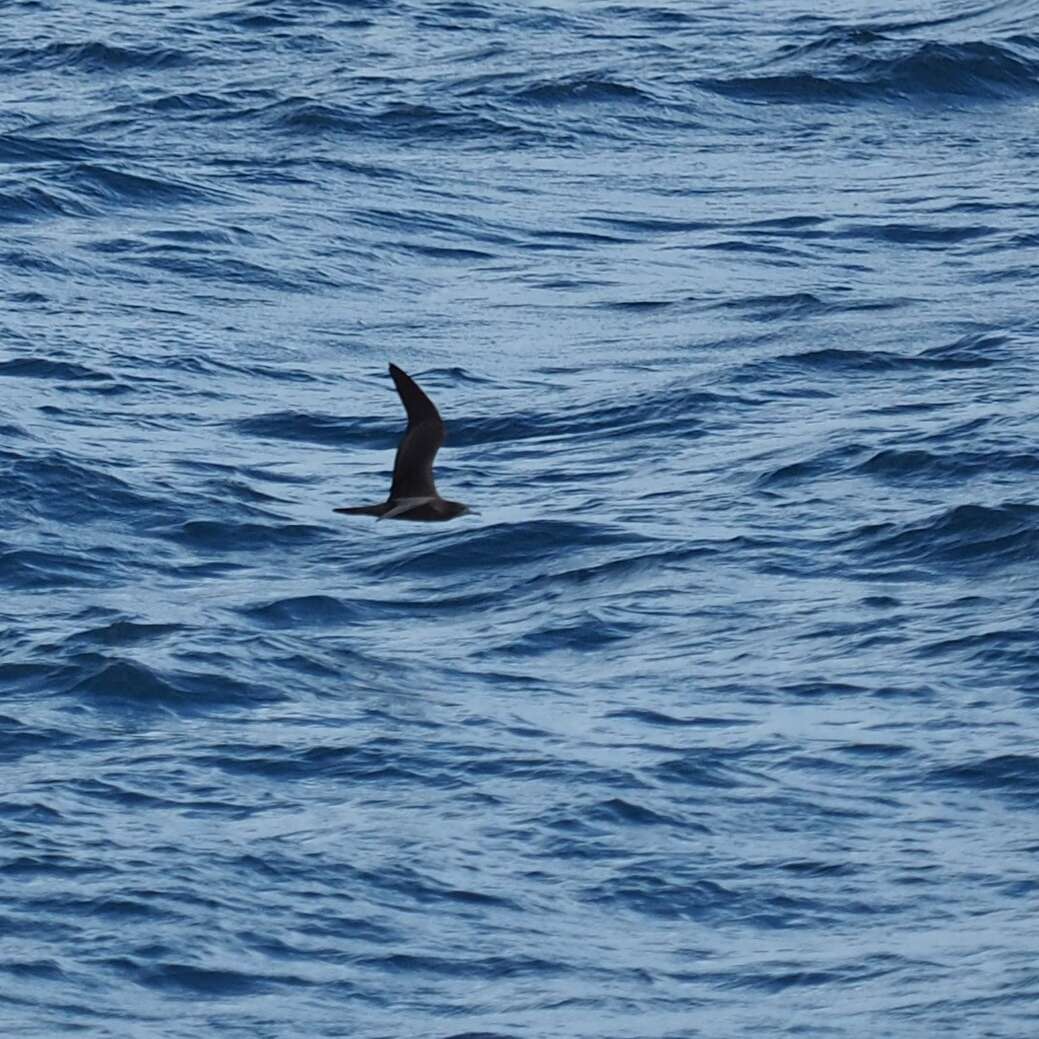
[(718, 718)]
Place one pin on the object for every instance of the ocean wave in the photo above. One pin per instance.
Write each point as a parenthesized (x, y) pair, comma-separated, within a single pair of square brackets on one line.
[(235, 536), (30, 202), (73, 492), (1016, 775), (975, 536), (921, 71), (305, 611), (306, 117), (904, 464), (742, 393), (47, 368), (94, 56), (580, 90), (506, 545), (122, 684), (103, 183), (29, 568), (319, 429)]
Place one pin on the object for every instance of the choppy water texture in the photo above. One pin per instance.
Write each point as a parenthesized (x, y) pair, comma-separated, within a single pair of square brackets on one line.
[(718, 719)]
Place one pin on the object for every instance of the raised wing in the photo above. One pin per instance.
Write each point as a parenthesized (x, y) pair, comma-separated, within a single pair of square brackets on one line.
[(413, 466)]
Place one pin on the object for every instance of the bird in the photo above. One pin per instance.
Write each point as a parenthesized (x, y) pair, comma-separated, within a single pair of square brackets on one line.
[(413, 494)]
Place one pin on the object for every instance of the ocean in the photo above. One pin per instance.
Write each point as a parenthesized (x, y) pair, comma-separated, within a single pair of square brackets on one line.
[(717, 717)]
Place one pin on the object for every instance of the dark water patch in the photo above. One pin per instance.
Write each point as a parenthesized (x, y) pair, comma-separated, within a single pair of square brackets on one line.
[(830, 359), (641, 305), (794, 88), (238, 490), (923, 466), (43, 970), (806, 304), (260, 473), (808, 868), (784, 255), (27, 298), (204, 236), (659, 718), (482, 1035), (327, 430), (9, 431), (974, 536), (826, 463), (31, 202), (256, 17), (188, 102), (607, 573), (787, 224), (408, 122), (928, 235), (502, 545), (119, 908), (977, 350), (674, 411), (78, 493), (305, 611), (664, 895), (821, 688), (976, 70), (245, 273), (200, 365), (999, 648), (197, 982), (32, 261), (622, 812), (378, 761), (108, 185), (19, 739), (842, 67), (794, 304), (125, 633), (28, 568), (129, 686), (93, 56), (874, 751), (580, 90), (651, 224), (1016, 775), (19, 148), (651, 16), (45, 368), (833, 38), (484, 968), (439, 252), (465, 227), (304, 116), (587, 636), (700, 768), (242, 535), (965, 353)]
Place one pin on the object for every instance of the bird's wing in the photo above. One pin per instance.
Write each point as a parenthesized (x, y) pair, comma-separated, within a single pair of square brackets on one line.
[(413, 466), (400, 506)]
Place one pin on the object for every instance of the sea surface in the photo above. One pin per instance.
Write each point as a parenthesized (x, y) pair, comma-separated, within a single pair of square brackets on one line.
[(718, 716)]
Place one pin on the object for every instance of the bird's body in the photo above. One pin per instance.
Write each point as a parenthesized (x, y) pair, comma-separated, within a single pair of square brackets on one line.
[(413, 493)]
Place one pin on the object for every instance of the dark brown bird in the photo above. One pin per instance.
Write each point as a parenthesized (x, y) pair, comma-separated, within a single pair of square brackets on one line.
[(413, 494)]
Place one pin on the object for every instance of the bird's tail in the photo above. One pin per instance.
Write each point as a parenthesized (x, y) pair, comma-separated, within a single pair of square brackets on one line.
[(364, 510)]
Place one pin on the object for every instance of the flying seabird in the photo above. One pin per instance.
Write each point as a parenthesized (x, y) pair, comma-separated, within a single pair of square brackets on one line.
[(413, 494)]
